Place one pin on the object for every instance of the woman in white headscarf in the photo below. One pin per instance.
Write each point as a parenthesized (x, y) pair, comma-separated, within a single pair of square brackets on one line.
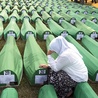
[(68, 69)]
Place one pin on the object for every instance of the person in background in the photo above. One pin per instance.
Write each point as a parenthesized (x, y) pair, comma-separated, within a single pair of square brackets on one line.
[(67, 70)]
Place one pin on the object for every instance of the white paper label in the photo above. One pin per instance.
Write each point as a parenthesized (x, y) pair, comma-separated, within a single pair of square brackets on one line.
[(64, 34), (1, 18), (42, 71), (83, 20), (28, 34), (40, 79), (79, 36), (11, 33), (46, 35), (94, 20), (6, 79), (94, 35), (73, 21), (97, 77)]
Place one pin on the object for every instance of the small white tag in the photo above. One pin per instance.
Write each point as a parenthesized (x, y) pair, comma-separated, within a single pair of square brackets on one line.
[(94, 35), (7, 72), (79, 36), (72, 21), (94, 20), (6, 79), (83, 20), (11, 33), (85, 12), (1, 18), (28, 34), (64, 34), (96, 77), (40, 79), (46, 35), (42, 71)]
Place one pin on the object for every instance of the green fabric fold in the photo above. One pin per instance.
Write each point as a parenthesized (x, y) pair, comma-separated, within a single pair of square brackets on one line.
[(27, 29)]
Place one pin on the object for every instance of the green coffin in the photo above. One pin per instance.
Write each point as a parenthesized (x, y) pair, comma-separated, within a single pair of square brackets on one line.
[(35, 16), (91, 45), (1, 29), (7, 8), (23, 9), (4, 15), (90, 61), (33, 57), (45, 16), (55, 28), (72, 30), (9, 93), (15, 14), (48, 40), (11, 66), (42, 29), (24, 15), (83, 27), (27, 29), (39, 9), (56, 17), (48, 10), (31, 9), (15, 8), (84, 90), (47, 91), (12, 29)]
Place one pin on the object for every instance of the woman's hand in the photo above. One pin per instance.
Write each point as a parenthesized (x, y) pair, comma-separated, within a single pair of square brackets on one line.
[(49, 52), (43, 66)]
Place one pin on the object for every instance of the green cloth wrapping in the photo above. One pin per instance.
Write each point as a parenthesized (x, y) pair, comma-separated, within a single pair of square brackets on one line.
[(24, 15), (84, 90), (41, 29), (35, 16), (56, 17), (90, 61), (15, 14), (48, 10), (48, 40), (11, 60), (9, 93), (27, 27), (4, 15), (33, 57), (91, 45), (73, 31), (45, 16), (12, 26), (55, 28), (47, 91), (15, 8), (39, 9), (31, 9), (86, 29), (1, 29), (7, 8)]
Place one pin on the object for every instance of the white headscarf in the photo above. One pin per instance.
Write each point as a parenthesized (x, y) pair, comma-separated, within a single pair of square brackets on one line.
[(60, 44)]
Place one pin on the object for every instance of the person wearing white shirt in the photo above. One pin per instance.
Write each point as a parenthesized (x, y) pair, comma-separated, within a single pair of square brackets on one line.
[(68, 69)]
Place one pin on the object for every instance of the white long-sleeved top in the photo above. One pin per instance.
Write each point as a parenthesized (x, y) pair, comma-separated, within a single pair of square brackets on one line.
[(71, 63)]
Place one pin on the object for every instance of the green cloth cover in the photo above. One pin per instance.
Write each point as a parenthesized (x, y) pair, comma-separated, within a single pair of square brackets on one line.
[(33, 57), (91, 45), (1, 28), (11, 60), (27, 27), (15, 14), (90, 61), (4, 15), (12, 26), (55, 28), (35, 16), (41, 29), (47, 91), (84, 90), (9, 93)]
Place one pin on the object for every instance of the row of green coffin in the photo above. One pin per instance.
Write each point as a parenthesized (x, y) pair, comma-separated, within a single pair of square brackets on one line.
[(82, 90)]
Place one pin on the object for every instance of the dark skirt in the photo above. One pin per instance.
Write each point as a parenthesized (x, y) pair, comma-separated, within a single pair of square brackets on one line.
[(62, 82)]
